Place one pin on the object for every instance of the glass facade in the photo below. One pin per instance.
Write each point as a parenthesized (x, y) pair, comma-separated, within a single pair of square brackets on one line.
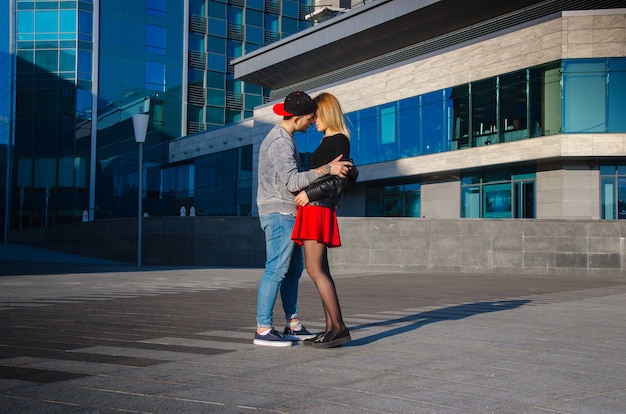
[(498, 194), (613, 191), (221, 31), (569, 96), (83, 67)]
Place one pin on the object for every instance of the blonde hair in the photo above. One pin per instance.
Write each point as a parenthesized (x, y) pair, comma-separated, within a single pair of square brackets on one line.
[(329, 111)]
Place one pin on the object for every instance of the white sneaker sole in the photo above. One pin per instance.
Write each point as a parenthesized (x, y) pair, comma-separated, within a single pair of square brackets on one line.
[(298, 338), (272, 343)]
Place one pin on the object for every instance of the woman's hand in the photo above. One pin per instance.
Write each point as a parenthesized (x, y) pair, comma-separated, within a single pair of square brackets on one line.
[(301, 199)]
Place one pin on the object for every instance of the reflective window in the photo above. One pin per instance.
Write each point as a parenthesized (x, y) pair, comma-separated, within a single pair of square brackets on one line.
[(387, 147), (155, 76), (509, 107), (613, 192), (155, 39), (498, 194), (156, 8), (513, 106), (224, 183), (584, 95), (617, 92), (408, 127), (290, 8), (395, 200), (47, 21)]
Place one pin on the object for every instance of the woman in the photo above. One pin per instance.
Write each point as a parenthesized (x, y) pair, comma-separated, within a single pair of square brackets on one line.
[(316, 221)]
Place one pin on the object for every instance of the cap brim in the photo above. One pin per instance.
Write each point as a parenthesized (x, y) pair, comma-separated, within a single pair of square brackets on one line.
[(279, 109)]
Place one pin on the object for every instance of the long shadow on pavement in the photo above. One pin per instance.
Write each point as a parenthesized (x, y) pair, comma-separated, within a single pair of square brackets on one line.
[(423, 318)]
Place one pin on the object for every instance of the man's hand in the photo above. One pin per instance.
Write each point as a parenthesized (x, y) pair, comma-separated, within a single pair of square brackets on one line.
[(335, 167), (301, 199)]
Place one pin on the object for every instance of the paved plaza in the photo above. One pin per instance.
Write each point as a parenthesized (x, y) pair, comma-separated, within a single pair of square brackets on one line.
[(88, 336)]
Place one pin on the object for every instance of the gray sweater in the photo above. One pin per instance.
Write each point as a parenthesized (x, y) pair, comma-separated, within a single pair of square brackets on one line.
[(280, 178)]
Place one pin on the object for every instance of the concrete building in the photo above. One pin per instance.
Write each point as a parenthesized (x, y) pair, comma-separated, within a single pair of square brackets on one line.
[(483, 110)]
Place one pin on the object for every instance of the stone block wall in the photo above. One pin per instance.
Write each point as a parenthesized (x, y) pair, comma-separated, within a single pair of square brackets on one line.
[(542, 247)]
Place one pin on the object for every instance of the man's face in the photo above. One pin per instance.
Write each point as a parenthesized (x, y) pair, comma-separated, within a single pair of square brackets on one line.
[(304, 122)]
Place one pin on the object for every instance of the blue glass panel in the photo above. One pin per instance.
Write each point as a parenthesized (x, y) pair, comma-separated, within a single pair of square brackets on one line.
[(584, 96), (497, 201), (254, 35), (216, 97), (408, 128), (47, 60), (155, 76), (621, 198), (367, 131), (216, 80), (216, 62), (25, 22), (608, 206), (84, 61), (432, 121), (217, 45), (155, 39), (68, 21), (47, 21), (217, 10), (67, 60), (256, 4), (387, 146), (217, 27), (215, 115), (85, 23), (617, 92), (289, 26), (254, 18), (252, 101), (156, 8), (290, 8), (271, 23), (412, 200)]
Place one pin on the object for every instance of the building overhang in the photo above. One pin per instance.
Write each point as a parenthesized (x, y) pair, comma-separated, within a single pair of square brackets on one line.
[(365, 32), (385, 32)]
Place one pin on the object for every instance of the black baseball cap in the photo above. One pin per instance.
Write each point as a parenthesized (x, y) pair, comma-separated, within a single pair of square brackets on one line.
[(296, 104)]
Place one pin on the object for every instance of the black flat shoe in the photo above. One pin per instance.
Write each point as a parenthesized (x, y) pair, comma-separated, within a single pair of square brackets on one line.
[(311, 341), (331, 340)]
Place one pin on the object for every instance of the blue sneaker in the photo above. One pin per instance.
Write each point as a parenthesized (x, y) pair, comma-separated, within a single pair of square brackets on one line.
[(272, 338), (299, 335)]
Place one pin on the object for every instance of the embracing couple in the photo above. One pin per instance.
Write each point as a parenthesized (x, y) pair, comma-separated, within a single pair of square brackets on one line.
[(297, 211)]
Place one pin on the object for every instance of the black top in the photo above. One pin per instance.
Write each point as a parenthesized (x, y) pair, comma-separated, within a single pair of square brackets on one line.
[(329, 149)]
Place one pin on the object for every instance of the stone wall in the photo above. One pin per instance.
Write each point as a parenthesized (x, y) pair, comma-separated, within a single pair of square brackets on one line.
[(543, 247)]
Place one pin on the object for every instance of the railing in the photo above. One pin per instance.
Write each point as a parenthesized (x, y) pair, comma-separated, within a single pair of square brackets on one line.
[(197, 59), (198, 24)]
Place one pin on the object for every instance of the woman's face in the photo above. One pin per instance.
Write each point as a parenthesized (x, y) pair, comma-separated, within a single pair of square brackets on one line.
[(319, 124)]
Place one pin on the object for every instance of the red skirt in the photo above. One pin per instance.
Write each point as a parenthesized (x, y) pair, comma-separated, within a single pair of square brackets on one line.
[(316, 223)]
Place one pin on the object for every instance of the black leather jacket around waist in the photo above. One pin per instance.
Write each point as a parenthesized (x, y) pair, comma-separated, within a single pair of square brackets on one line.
[(327, 191)]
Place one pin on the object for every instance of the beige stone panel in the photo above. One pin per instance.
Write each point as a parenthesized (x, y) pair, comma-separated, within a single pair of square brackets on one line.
[(610, 20), (609, 35), (577, 145), (608, 49), (578, 22), (579, 51), (580, 36), (608, 144)]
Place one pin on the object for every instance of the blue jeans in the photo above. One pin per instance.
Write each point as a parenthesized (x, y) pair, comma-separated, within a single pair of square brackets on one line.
[(283, 267)]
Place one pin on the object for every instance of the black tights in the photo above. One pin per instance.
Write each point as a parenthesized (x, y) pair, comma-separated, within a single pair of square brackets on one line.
[(316, 259)]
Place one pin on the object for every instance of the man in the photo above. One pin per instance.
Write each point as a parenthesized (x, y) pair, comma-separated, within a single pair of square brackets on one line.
[(279, 180)]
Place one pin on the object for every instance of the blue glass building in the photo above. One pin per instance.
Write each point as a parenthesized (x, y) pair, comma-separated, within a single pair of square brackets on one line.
[(72, 73)]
